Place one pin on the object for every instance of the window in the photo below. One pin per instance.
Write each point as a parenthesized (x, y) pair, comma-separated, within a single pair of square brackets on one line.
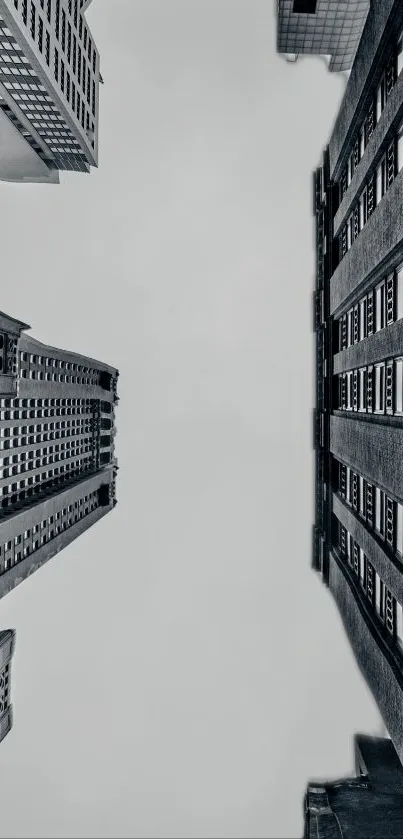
[(363, 208), (379, 596), (350, 327), (398, 401), (361, 492), (380, 307), (362, 568), (350, 231), (381, 180), (399, 624), (348, 484), (349, 387), (362, 389), (361, 142), (380, 98), (399, 529), (363, 319), (379, 388), (400, 54), (379, 511), (350, 169)]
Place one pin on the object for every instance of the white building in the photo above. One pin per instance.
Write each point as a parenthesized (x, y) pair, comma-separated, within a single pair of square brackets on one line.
[(49, 90), (331, 28)]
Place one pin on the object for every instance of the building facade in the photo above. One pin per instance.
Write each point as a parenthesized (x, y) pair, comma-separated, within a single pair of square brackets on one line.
[(7, 645), (49, 90), (57, 452), (369, 806), (331, 28), (358, 313)]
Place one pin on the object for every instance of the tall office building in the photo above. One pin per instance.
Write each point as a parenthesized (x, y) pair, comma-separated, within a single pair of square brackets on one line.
[(57, 458), (331, 28), (7, 644), (49, 90), (358, 535), (369, 806)]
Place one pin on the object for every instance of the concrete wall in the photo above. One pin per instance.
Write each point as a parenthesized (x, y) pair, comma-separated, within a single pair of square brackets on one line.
[(387, 343), (372, 662), (390, 572), (371, 448), (374, 251), (15, 524)]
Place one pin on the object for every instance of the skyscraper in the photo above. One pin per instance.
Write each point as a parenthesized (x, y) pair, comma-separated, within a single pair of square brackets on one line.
[(369, 806), (358, 537), (321, 27), (7, 644), (57, 460), (49, 90)]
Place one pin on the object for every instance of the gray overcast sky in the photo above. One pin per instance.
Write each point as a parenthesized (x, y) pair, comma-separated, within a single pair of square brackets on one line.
[(179, 669)]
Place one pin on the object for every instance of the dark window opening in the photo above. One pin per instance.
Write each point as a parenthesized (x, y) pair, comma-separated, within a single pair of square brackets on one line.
[(304, 7)]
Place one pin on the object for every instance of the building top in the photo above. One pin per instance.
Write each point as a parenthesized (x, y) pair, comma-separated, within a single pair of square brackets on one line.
[(321, 27), (31, 345)]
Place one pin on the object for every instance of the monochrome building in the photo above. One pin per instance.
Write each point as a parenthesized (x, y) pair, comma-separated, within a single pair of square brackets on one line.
[(49, 90), (330, 28), (7, 644), (368, 806), (57, 454), (358, 534)]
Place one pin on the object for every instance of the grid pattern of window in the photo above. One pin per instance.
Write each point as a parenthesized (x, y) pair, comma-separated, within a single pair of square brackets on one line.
[(385, 607), (382, 514), (381, 306), (44, 444), (377, 101), (52, 369), (377, 388), (77, 81), (23, 544), (372, 193), (336, 31)]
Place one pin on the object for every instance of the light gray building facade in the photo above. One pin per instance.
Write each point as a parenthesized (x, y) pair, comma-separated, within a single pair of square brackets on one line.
[(57, 449), (49, 90)]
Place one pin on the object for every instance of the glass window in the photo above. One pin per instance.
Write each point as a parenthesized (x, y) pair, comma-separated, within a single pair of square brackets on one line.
[(380, 307), (349, 387), (361, 142), (378, 593), (380, 98), (399, 386), (363, 208), (379, 510), (350, 327), (400, 55), (381, 180), (399, 528), (400, 148), (362, 389), (349, 232), (362, 495), (399, 624), (362, 567), (363, 318), (379, 388), (348, 484)]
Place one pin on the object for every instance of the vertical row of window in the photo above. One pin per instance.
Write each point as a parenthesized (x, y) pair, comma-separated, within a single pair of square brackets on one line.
[(65, 63), (374, 189), (381, 513), (393, 68), (387, 609), (378, 308), (375, 389), (23, 544)]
